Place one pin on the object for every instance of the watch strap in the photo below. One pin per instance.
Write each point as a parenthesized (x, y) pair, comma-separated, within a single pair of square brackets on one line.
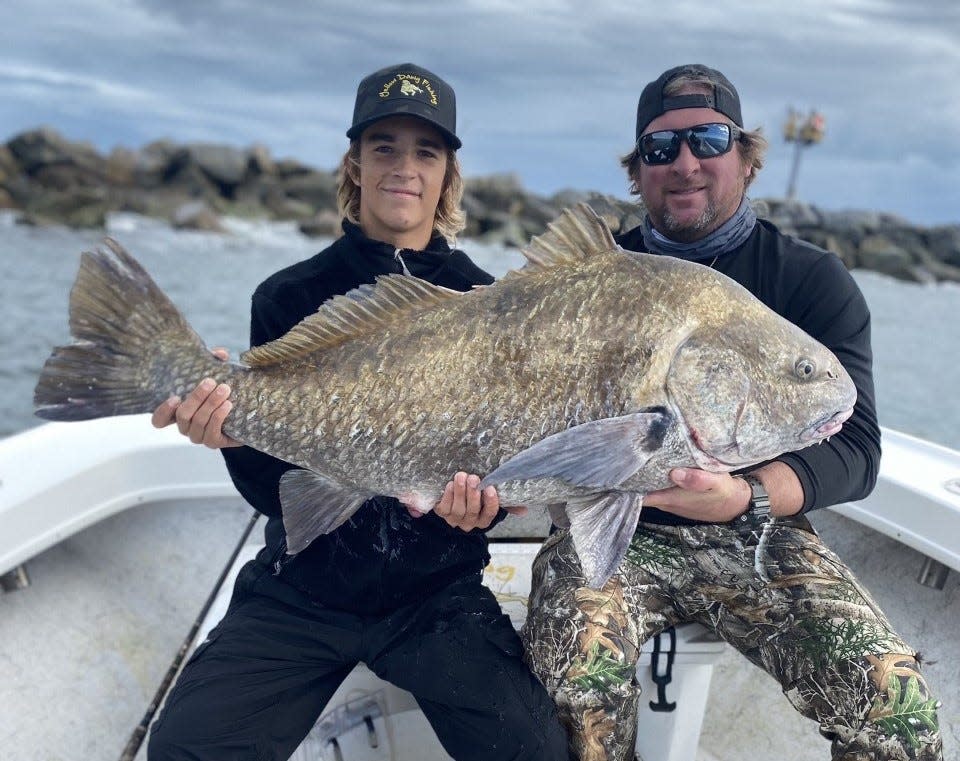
[(758, 509)]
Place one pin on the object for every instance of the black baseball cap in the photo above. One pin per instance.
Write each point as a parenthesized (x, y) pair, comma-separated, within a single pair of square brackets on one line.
[(724, 97), (406, 89)]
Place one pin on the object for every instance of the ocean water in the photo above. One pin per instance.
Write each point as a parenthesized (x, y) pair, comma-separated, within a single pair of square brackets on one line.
[(916, 328)]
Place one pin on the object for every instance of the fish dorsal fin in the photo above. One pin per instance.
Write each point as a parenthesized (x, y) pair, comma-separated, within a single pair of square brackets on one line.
[(359, 312), (577, 234)]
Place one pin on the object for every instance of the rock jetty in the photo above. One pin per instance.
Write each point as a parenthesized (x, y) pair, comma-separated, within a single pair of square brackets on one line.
[(48, 179)]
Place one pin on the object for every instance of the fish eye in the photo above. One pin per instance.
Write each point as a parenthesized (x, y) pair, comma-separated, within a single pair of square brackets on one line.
[(805, 368)]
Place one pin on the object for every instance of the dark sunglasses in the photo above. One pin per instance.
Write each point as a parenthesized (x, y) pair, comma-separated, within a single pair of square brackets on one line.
[(705, 141)]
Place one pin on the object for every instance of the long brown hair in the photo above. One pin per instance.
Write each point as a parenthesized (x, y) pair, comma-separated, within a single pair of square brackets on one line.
[(449, 220)]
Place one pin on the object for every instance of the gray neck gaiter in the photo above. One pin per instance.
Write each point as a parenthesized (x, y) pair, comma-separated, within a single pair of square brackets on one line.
[(725, 238)]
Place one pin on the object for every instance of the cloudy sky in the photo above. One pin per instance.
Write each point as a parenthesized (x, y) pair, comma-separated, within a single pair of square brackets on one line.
[(547, 89)]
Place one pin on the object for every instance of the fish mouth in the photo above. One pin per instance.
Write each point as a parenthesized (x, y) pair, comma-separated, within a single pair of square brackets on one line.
[(826, 427)]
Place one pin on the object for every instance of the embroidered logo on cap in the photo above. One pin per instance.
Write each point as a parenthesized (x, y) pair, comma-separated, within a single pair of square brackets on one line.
[(412, 86)]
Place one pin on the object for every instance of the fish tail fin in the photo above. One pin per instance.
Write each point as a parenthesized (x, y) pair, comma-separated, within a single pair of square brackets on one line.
[(132, 347)]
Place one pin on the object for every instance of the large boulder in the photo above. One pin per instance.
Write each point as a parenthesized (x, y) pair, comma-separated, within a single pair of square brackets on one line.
[(317, 189), (55, 162), (324, 224), (9, 168), (877, 252), (152, 165), (196, 215), (224, 165), (944, 244), (78, 207)]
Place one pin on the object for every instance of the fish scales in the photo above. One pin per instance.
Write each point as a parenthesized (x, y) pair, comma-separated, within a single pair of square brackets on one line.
[(423, 378), (581, 379)]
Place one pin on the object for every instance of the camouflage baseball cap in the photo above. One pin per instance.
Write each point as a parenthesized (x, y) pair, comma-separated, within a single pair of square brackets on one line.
[(408, 90)]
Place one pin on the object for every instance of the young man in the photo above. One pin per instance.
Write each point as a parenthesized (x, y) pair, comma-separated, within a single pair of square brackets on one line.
[(735, 552), (395, 589)]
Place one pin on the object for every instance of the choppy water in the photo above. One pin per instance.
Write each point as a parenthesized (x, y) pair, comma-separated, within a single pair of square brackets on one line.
[(210, 277)]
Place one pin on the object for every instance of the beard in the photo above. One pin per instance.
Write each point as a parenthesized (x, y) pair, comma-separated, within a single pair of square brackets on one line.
[(686, 231), (722, 201)]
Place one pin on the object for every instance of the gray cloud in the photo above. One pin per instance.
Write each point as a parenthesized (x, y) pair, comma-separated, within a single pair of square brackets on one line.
[(547, 89)]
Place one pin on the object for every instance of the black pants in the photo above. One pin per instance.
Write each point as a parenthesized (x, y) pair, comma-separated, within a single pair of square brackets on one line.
[(256, 686)]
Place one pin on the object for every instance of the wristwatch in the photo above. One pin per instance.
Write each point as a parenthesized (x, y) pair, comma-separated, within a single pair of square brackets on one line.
[(758, 509)]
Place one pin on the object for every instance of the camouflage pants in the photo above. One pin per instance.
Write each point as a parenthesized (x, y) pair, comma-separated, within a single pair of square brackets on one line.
[(779, 596)]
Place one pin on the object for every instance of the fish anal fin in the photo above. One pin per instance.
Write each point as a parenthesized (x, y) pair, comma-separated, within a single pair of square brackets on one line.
[(601, 454), (313, 505), (360, 312)]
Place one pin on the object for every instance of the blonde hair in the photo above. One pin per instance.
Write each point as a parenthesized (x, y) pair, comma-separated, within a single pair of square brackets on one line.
[(751, 147), (449, 220)]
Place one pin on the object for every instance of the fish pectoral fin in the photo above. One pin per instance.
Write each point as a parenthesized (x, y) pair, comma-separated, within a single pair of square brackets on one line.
[(312, 505), (601, 454), (601, 529)]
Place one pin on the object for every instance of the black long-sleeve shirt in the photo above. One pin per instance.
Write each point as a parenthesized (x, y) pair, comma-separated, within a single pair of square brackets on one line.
[(381, 557), (811, 288)]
